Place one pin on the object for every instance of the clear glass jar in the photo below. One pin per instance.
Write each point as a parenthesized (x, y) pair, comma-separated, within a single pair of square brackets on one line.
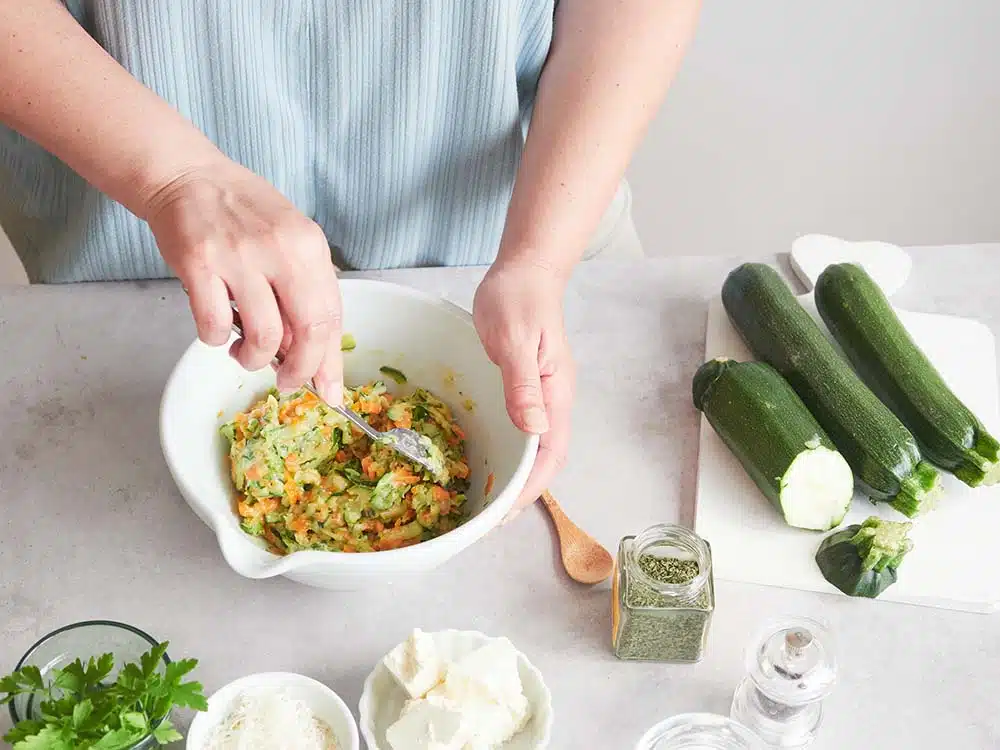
[(653, 618), (699, 732), (83, 640)]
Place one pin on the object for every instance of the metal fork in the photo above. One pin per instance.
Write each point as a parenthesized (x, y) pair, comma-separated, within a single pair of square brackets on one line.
[(407, 443)]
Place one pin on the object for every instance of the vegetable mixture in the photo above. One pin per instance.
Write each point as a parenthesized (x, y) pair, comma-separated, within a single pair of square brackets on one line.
[(308, 480)]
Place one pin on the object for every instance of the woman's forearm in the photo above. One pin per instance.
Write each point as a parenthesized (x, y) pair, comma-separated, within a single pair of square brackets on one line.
[(607, 73), (59, 88)]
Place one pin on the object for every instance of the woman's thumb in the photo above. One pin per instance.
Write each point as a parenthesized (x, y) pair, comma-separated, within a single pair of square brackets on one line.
[(522, 385)]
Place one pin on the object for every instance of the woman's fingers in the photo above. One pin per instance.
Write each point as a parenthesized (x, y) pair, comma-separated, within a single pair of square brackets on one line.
[(309, 300), (329, 377), (262, 328), (523, 388), (553, 447), (213, 317), (309, 326)]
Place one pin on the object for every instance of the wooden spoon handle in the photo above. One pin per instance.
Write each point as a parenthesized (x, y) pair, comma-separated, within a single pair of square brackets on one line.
[(584, 559), (554, 508)]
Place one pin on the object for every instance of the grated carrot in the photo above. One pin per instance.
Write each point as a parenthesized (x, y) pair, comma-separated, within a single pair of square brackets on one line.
[(369, 468)]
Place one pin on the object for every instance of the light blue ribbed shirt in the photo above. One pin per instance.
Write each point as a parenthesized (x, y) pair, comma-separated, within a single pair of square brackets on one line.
[(396, 125)]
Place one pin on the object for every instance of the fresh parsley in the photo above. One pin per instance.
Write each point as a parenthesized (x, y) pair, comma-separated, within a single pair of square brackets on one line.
[(79, 709)]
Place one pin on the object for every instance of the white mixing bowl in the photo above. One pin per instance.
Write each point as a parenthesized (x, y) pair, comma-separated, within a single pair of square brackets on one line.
[(435, 344)]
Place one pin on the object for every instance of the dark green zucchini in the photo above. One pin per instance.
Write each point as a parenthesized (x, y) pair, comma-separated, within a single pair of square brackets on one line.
[(859, 316), (884, 455), (778, 442), (862, 559)]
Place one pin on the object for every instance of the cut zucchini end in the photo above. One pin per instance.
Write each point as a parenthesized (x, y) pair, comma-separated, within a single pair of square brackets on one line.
[(817, 489), (919, 492), (992, 475), (842, 563), (861, 560), (982, 474), (882, 544), (982, 465), (987, 446)]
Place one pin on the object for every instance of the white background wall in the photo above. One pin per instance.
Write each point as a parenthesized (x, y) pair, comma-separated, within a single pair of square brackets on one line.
[(868, 120), (860, 118)]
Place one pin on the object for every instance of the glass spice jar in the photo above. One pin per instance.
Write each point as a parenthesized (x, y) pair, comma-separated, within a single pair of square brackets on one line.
[(663, 595), (699, 732)]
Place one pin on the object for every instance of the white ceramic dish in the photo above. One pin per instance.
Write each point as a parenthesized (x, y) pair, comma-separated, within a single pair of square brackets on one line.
[(322, 701), (435, 344), (383, 698)]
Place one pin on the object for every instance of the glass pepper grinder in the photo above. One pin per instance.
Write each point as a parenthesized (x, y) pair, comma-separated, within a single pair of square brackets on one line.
[(699, 732), (791, 668)]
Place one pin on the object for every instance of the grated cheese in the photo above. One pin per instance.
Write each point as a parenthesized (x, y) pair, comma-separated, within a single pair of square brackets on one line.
[(270, 720)]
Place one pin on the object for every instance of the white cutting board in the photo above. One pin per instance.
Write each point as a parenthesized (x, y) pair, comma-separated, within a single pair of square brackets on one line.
[(955, 562)]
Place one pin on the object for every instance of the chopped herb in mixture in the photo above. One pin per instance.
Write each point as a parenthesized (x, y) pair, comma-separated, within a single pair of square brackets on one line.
[(307, 479)]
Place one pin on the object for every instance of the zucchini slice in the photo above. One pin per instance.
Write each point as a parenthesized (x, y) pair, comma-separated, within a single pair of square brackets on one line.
[(862, 559), (778, 442), (859, 316), (883, 454)]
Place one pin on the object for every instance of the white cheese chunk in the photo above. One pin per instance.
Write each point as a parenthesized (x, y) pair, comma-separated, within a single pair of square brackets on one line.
[(491, 669), (428, 725), (474, 703), (416, 664), (488, 725), (487, 687)]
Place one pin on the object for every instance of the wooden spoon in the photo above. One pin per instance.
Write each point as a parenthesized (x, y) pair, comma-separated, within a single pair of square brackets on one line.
[(585, 560)]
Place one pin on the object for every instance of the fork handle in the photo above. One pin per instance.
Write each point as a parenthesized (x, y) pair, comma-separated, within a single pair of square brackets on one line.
[(358, 422)]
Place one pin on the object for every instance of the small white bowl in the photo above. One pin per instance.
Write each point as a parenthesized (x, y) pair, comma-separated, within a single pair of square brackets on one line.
[(383, 698), (436, 345), (322, 701)]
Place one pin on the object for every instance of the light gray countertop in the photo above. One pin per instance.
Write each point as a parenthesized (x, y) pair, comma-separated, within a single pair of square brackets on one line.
[(94, 528)]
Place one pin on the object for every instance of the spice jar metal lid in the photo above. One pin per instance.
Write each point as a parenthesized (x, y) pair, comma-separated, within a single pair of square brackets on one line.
[(792, 661), (700, 731)]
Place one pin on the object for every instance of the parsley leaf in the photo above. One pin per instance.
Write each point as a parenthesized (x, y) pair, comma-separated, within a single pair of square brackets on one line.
[(79, 706), (49, 738), (165, 733)]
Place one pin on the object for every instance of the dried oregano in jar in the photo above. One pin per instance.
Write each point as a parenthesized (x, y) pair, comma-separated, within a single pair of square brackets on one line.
[(662, 595)]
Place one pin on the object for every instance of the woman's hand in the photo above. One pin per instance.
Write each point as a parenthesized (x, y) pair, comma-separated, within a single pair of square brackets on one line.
[(227, 233), (518, 313)]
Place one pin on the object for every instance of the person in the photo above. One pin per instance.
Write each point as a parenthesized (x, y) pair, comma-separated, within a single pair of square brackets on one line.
[(251, 148)]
